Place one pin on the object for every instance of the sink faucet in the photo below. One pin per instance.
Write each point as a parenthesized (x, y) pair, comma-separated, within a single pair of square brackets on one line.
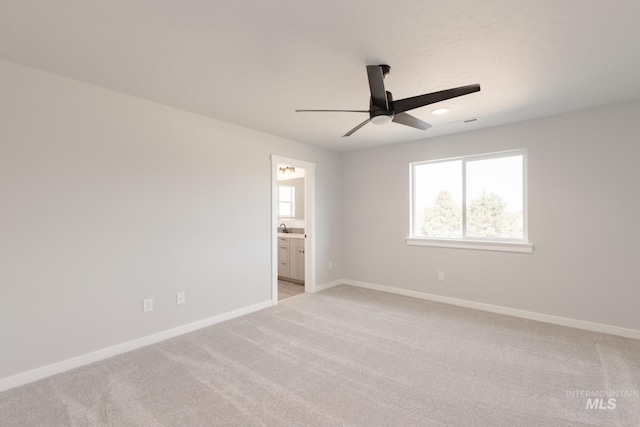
[(284, 227)]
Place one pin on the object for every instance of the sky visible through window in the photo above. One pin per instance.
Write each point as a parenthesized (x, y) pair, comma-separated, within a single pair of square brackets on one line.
[(432, 178), (502, 176)]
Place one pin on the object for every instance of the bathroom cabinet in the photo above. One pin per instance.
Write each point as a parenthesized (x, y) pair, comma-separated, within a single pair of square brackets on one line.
[(291, 259)]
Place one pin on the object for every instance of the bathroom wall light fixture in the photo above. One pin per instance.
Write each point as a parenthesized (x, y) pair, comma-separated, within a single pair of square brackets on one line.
[(287, 171)]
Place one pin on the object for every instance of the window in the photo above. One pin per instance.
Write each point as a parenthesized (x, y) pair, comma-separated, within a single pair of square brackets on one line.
[(287, 201), (473, 202)]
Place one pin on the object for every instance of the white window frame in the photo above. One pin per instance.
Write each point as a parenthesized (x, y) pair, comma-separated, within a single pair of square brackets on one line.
[(492, 244), (292, 202)]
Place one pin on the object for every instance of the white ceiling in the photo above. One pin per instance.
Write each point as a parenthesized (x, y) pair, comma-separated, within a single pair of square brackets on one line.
[(252, 62)]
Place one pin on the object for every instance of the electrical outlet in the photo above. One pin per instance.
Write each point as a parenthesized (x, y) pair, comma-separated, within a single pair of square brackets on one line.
[(180, 298), (330, 265), (147, 305), (440, 275)]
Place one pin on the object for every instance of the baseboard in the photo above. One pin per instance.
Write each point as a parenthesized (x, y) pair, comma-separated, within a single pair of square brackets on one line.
[(105, 353), (327, 285), (531, 315)]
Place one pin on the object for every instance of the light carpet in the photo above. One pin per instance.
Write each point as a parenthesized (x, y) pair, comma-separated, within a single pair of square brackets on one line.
[(349, 357)]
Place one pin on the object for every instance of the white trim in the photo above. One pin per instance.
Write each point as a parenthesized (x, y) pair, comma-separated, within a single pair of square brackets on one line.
[(531, 315), (310, 230), (525, 195), (105, 353), (473, 244), (328, 285), (310, 219)]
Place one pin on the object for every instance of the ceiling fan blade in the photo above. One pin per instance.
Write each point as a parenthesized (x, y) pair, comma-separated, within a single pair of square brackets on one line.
[(356, 128), (331, 111), (376, 85), (409, 120), (407, 104)]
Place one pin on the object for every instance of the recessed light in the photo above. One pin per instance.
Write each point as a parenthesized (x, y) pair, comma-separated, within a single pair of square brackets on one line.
[(441, 111)]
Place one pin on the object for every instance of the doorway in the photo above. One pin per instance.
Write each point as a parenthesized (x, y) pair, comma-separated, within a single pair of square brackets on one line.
[(292, 226)]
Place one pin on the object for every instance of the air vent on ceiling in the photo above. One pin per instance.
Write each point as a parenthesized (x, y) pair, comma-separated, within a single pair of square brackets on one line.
[(462, 122)]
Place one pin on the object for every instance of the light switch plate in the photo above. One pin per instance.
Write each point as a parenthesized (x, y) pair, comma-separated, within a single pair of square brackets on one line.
[(180, 298)]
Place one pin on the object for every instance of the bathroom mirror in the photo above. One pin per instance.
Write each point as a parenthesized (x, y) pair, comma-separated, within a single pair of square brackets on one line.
[(291, 184)]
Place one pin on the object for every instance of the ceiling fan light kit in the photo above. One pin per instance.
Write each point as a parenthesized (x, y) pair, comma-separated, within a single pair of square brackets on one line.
[(383, 109), (382, 119)]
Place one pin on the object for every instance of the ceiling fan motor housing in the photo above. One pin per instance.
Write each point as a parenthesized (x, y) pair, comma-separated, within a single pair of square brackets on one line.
[(379, 115)]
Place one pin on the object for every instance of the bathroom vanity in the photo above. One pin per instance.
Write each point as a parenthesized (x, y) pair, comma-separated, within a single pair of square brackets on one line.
[(291, 257)]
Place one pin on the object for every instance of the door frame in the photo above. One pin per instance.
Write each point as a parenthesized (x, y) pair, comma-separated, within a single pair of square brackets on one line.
[(310, 218)]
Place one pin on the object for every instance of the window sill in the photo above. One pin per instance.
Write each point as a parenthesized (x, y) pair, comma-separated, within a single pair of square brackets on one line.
[(473, 244)]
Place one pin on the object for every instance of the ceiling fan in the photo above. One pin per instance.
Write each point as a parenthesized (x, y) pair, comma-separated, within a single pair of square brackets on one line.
[(383, 109)]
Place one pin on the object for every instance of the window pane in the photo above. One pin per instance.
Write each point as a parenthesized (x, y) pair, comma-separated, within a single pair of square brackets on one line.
[(284, 209), (495, 200), (285, 193), (286, 199), (437, 199)]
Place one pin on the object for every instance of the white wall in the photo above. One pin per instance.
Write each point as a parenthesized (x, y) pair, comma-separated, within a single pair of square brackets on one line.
[(584, 210), (108, 199)]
